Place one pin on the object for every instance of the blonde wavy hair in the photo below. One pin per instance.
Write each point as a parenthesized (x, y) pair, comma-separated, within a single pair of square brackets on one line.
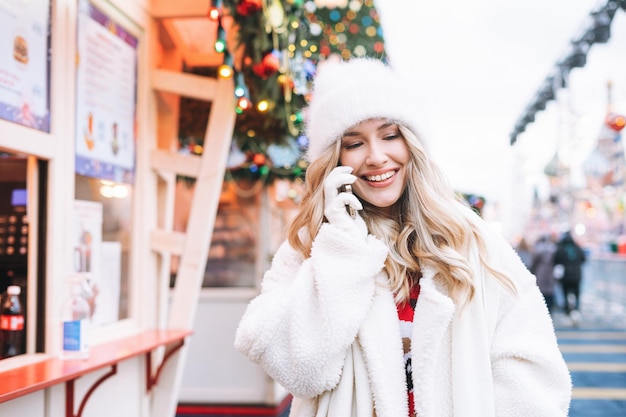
[(428, 227)]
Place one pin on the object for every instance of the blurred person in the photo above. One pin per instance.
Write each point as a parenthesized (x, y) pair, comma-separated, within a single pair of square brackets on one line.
[(524, 251), (569, 257), (542, 265), (411, 304)]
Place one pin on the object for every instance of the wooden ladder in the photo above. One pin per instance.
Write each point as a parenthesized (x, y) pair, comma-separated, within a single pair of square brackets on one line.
[(177, 308)]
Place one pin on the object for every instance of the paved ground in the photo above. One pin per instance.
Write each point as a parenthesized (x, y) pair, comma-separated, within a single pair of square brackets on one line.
[(594, 345)]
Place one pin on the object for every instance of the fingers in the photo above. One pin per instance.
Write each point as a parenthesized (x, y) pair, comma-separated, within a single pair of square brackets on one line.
[(349, 199), (339, 176)]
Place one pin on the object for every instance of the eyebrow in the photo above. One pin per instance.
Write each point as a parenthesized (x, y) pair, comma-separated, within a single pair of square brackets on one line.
[(357, 133)]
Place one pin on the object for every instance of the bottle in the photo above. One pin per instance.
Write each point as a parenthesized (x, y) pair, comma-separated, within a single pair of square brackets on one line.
[(11, 324), (75, 318)]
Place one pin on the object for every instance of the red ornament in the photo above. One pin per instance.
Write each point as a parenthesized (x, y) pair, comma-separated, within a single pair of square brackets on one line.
[(259, 159), (259, 69), (271, 62), (616, 121), (268, 66), (249, 7)]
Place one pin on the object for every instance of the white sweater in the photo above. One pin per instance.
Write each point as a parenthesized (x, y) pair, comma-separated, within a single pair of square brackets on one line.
[(498, 357)]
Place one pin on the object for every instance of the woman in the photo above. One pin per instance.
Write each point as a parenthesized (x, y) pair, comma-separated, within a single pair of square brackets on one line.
[(414, 306), (525, 252), (543, 266)]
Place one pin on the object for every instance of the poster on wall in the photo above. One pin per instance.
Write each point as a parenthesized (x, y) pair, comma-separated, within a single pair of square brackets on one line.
[(106, 96), (25, 62), (87, 249)]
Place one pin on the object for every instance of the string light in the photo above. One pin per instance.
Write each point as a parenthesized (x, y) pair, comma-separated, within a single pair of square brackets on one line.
[(220, 43), (220, 46), (225, 71), (214, 14), (263, 106), (243, 103)]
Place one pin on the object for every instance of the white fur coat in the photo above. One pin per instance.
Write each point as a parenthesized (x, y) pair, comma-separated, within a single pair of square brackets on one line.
[(496, 358)]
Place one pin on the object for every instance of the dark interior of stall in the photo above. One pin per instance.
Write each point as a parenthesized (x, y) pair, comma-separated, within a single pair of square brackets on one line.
[(14, 226)]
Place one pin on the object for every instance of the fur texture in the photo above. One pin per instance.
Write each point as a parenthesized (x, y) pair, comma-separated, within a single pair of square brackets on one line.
[(498, 357)]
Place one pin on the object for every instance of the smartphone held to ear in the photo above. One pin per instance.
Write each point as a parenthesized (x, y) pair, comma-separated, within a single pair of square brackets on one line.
[(351, 210)]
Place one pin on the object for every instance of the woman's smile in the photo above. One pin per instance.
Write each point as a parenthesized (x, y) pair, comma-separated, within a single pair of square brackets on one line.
[(380, 177)]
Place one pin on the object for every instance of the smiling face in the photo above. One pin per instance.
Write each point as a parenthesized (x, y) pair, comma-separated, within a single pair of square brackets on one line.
[(378, 155)]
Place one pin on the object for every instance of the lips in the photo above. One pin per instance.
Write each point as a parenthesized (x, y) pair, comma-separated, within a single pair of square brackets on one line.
[(381, 177)]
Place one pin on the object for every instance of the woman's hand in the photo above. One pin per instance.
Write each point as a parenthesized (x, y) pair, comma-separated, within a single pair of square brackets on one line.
[(335, 202)]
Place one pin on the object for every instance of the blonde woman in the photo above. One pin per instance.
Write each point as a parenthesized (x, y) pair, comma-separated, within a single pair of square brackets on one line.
[(413, 306)]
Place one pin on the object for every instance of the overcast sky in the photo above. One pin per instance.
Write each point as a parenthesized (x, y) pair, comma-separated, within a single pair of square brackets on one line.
[(476, 64)]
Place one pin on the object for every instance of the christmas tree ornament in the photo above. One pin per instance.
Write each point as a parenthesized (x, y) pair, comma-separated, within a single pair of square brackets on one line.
[(268, 66), (249, 7), (355, 5), (310, 7), (236, 157), (258, 159), (259, 70), (616, 121), (284, 156), (275, 17)]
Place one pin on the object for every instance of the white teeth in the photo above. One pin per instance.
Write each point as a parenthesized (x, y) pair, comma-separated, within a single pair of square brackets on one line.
[(382, 177)]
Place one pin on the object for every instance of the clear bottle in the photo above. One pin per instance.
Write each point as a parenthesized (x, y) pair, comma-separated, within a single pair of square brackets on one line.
[(11, 324), (75, 316)]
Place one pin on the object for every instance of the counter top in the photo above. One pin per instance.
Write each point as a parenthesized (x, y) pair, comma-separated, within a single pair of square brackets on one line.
[(28, 378)]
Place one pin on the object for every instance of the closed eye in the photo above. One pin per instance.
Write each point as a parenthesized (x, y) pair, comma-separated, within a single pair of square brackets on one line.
[(353, 145)]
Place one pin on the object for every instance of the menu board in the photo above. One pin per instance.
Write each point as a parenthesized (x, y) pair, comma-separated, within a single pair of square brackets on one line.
[(106, 96), (25, 62)]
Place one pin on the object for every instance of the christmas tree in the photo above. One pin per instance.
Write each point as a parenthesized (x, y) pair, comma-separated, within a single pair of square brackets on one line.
[(274, 47)]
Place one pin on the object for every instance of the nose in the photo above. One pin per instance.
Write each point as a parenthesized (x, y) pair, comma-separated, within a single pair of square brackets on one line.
[(377, 155)]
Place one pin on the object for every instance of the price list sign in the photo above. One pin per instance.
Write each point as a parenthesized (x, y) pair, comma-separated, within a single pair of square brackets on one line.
[(106, 96), (25, 62)]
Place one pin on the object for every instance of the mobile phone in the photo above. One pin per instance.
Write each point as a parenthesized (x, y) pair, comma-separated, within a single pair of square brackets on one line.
[(351, 210)]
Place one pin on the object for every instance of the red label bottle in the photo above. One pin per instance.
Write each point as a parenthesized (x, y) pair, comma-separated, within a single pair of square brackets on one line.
[(11, 324)]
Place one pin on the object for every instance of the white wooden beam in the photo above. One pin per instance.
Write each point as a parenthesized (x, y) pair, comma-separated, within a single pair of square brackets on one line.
[(167, 242), (186, 294), (203, 210), (18, 138), (187, 85), (180, 164)]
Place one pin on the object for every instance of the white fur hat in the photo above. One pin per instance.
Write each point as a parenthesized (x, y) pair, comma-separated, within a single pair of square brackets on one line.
[(346, 93)]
